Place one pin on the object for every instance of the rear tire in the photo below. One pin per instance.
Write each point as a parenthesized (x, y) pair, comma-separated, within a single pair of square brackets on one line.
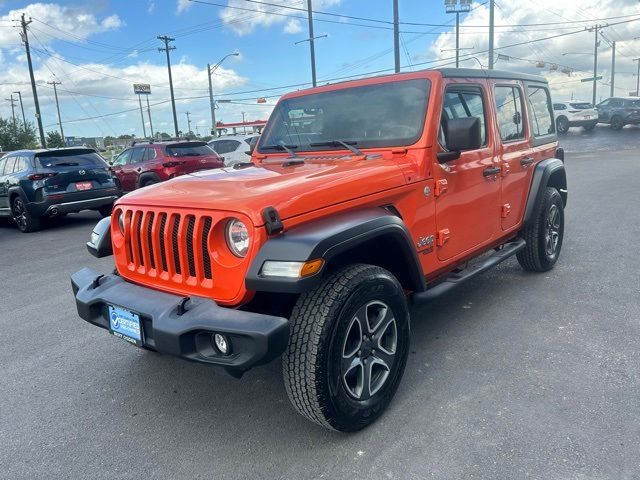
[(24, 220), (148, 181), (562, 125), (544, 237), (348, 348), (588, 128)]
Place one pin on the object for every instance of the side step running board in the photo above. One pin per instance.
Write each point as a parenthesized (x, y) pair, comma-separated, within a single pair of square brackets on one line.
[(455, 279)]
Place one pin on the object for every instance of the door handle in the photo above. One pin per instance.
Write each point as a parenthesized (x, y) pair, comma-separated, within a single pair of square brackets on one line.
[(526, 161), (491, 171), (138, 170)]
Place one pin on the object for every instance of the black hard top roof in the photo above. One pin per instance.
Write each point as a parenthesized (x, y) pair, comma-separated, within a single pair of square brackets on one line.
[(482, 73)]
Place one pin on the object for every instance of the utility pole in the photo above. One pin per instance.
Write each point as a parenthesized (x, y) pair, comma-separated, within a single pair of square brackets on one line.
[(13, 112), (144, 129), (451, 6), (24, 121), (596, 30), (312, 48), (167, 49), (149, 114), (188, 123), (396, 36), (637, 77), (25, 39), (491, 32), (613, 67), (55, 93)]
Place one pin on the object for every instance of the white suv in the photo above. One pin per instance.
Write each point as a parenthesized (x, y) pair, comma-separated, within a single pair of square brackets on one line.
[(233, 148), (574, 114)]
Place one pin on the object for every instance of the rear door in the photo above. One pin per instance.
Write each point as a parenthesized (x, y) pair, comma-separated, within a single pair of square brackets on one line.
[(604, 111), (468, 188), (118, 166), (72, 170), (132, 169), (4, 184)]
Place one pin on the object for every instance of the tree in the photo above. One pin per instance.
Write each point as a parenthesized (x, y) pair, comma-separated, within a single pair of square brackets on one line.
[(14, 136), (109, 140), (54, 140), (126, 137), (164, 135)]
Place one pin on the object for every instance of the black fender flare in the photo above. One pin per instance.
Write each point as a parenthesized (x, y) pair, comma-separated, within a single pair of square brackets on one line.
[(12, 193), (328, 237), (145, 175), (549, 172)]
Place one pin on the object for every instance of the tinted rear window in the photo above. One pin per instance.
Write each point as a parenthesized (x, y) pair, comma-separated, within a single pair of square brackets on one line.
[(634, 103), (581, 106), (70, 159), (189, 150)]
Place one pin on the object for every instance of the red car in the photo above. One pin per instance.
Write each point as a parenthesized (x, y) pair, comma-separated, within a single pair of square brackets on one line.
[(147, 163)]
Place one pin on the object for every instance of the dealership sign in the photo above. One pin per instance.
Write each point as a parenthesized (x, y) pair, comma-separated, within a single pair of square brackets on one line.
[(142, 88)]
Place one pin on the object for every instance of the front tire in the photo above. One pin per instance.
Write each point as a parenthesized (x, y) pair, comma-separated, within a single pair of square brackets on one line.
[(24, 220), (348, 348), (617, 123), (544, 237)]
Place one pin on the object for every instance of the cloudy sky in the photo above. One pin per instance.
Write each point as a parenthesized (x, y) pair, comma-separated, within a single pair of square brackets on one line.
[(99, 48)]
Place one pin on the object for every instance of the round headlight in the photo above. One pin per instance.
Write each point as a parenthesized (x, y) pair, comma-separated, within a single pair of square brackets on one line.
[(237, 237), (121, 222)]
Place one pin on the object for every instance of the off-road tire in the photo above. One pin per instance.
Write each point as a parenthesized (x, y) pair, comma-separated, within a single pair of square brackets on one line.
[(562, 125), (536, 256), (617, 123), (105, 211), (24, 220), (320, 327)]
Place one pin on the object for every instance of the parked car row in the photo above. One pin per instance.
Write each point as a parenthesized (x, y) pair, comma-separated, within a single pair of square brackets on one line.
[(615, 111)]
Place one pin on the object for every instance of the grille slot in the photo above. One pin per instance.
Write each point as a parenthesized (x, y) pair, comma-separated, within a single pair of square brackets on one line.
[(152, 260), (191, 222), (206, 260), (139, 235), (163, 255), (174, 242)]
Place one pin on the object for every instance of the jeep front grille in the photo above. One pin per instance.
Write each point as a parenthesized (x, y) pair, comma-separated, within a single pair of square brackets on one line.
[(169, 245)]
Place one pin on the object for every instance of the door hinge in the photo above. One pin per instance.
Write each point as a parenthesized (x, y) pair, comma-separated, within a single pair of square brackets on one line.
[(504, 169), (440, 187), (506, 210), (442, 237)]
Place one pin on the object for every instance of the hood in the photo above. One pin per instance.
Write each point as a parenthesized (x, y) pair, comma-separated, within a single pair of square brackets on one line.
[(292, 190)]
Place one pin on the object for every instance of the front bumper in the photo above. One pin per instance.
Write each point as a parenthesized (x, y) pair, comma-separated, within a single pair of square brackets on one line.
[(255, 338), (73, 202)]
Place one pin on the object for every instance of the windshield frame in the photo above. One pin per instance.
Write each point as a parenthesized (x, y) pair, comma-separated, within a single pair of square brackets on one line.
[(265, 148)]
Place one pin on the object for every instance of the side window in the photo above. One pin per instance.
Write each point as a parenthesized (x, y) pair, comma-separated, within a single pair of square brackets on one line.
[(137, 155), (123, 158), (9, 166), (149, 154), (225, 146), (604, 104), (3, 162), (509, 112), (616, 103), (465, 103), (20, 165), (541, 116)]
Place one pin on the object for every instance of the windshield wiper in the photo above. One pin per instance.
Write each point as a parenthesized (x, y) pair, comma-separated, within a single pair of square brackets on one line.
[(282, 146), (66, 164), (339, 143)]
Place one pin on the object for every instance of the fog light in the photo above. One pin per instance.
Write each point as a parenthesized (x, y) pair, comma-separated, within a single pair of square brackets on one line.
[(222, 344)]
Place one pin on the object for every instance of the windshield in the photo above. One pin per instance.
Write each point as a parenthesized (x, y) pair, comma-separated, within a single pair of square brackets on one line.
[(190, 150), (581, 106), (382, 115), (70, 159)]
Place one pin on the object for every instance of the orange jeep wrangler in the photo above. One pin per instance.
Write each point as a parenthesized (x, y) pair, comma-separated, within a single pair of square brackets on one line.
[(361, 197)]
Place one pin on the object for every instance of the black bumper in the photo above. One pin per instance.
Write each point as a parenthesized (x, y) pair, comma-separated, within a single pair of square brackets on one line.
[(583, 123), (74, 202), (255, 338)]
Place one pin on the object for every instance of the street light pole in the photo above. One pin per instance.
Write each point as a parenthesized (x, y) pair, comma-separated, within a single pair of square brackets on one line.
[(188, 123), (24, 121), (595, 64), (637, 77), (613, 67), (210, 70), (13, 105)]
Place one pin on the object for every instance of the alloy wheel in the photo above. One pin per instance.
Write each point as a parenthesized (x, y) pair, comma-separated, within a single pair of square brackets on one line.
[(20, 213), (369, 350), (552, 234)]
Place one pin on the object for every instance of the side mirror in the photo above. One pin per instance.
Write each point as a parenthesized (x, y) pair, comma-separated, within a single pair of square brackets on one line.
[(461, 134), (99, 244)]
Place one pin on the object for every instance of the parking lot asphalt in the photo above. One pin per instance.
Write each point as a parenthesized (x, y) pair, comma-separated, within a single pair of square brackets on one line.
[(514, 375)]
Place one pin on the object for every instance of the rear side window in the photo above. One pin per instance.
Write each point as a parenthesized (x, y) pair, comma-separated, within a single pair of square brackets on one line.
[(581, 106), (225, 146), (465, 103), (137, 155), (559, 106), (70, 159), (189, 150), (509, 112), (150, 154), (633, 103), (3, 161), (541, 116), (20, 165)]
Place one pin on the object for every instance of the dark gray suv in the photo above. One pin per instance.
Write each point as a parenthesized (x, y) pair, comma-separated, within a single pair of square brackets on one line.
[(619, 111)]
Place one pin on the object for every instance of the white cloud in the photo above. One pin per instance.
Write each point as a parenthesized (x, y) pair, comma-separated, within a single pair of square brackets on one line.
[(183, 6), (244, 22), (293, 26), (50, 18), (151, 7), (550, 51)]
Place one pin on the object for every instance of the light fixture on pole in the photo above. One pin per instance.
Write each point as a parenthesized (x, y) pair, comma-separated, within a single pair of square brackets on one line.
[(457, 7), (210, 70)]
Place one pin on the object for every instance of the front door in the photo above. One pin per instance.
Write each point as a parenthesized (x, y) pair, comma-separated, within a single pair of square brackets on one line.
[(131, 171), (467, 189)]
